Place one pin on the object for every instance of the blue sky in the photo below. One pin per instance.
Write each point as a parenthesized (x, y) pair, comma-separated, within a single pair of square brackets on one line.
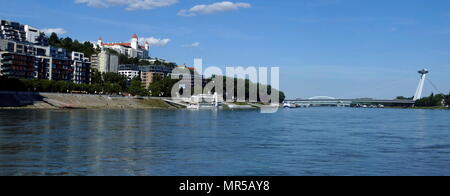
[(339, 48)]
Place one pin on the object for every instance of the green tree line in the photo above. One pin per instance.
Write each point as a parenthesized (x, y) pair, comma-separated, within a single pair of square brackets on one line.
[(72, 45), (42, 85), (163, 86), (112, 83), (433, 100)]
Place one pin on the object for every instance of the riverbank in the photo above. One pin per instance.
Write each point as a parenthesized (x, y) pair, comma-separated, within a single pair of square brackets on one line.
[(422, 108), (31, 100)]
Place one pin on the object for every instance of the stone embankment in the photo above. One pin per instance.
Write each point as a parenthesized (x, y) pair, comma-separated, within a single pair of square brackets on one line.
[(31, 100)]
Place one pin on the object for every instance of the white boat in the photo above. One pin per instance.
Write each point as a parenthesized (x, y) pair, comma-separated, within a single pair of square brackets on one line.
[(289, 105), (193, 107)]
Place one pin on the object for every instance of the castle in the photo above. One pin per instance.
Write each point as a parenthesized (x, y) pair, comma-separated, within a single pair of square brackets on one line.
[(131, 49)]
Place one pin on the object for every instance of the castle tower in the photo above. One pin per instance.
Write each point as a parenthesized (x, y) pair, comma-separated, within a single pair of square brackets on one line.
[(135, 42), (100, 41), (423, 74), (147, 46)]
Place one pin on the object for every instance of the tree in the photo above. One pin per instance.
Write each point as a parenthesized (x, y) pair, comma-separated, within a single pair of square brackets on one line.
[(431, 101), (447, 100), (54, 40), (162, 87), (282, 97), (136, 87), (96, 77), (72, 45), (115, 78)]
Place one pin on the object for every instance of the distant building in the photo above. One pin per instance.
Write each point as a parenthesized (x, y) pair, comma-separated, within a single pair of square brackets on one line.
[(82, 68), (61, 65), (24, 53), (12, 31), (148, 73), (20, 59), (148, 78), (26, 60), (190, 78), (130, 74), (131, 49), (35, 36), (128, 67), (105, 62), (165, 70), (17, 65)]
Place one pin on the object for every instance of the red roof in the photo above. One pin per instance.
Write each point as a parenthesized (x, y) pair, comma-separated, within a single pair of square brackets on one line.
[(117, 44), (135, 36)]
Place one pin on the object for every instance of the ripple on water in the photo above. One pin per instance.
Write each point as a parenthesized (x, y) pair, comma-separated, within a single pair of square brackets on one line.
[(314, 141)]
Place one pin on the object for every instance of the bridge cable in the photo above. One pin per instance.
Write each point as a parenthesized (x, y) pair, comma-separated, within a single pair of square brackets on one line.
[(434, 86)]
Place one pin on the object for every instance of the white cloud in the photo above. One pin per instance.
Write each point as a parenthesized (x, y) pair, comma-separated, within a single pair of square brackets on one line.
[(58, 31), (154, 41), (193, 45), (131, 4), (224, 6)]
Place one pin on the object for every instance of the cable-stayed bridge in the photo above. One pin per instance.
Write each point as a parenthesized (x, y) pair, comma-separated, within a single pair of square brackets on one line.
[(331, 101)]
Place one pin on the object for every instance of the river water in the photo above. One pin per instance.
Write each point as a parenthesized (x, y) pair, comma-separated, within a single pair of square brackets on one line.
[(314, 141)]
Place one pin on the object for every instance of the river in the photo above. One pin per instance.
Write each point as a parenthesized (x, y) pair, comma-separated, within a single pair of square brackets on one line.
[(313, 141)]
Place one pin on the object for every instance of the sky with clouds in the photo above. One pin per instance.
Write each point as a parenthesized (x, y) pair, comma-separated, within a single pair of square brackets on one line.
[(339, 48)]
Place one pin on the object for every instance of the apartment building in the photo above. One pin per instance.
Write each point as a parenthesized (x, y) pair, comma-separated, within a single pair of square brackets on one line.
[(12, 31), (105, 62), (148, 78), (81, 68), (26, 60), (17, 59), (35, 36), (25, 53), (130, 74)]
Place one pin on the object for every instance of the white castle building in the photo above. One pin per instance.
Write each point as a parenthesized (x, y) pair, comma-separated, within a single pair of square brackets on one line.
[(131, 49)]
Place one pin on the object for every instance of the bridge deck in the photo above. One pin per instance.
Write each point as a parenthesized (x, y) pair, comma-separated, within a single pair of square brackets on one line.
[(354, 101)]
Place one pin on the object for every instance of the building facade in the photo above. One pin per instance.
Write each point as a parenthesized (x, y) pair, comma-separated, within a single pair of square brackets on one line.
[(130, 74), (105, 62), (81, 68), (147, 73), (12, 31), (35, 36), (18, 59), (17, 65), (131, 49), (148, 78), (24, 53)]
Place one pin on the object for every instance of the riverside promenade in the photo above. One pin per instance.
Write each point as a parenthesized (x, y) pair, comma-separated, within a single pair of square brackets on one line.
[(34, 100)]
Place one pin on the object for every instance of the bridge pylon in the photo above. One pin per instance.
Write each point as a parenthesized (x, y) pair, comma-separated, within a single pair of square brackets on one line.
[(423, 75)]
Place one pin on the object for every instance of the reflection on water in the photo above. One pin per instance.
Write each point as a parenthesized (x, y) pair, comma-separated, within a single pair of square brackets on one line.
[(315, 141)]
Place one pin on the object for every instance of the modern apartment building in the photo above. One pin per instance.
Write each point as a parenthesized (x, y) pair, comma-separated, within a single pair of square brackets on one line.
[(148, 78), (18, 59), (147, 72), (17, 65), (81, 68), (105, 62), (12, 31), (35, 36), (130, 74), (24, 53)]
